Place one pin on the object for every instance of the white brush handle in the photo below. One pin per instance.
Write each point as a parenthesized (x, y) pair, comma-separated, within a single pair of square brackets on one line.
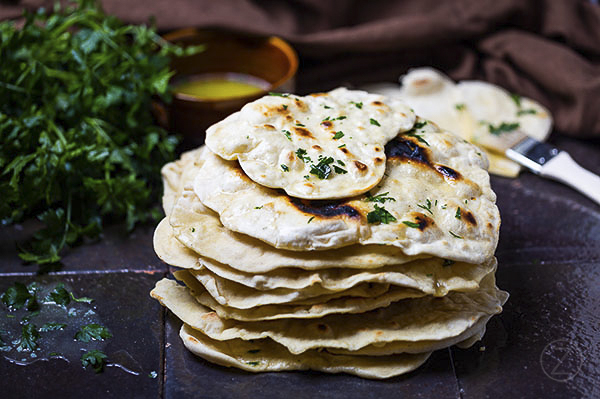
[(564, 169)]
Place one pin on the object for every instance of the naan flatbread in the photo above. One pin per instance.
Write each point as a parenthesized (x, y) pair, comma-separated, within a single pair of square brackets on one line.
[(322, 146), (436, 197), (266, 355), (200, 229), (421, 319)]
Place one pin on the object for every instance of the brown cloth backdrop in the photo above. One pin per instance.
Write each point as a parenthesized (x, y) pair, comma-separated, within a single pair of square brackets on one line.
[(548, 50)]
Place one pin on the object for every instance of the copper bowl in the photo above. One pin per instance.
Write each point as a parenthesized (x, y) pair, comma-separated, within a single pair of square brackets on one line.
[(268, 58)]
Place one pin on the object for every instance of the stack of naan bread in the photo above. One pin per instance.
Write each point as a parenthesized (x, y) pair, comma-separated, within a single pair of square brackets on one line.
[(335, 232)]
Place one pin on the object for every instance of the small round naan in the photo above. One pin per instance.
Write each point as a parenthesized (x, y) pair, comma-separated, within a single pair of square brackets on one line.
[(321, 146), (436, 199)]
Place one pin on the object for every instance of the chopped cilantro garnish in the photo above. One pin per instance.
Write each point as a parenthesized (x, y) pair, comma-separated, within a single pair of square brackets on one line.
[(258, 207), (92, 332), (52, 327), (29, 337), (338, 135), (526, 112), (307, 177), (254, 351), (448, 262), (271, 93), (428, 207), (285, 168), (301, 153), (341, 146), (310, 220), (419, 125), (339, 118), (299, 124), (322, 169), (357, 105), (457, 214), (418, 137), (411, 224), (285, 106), (326, 106), (380, 215), (374, 122), (94, 358), (341, 163), (339, 170), (193, 229), (455, 235), (460, 107), (253, 363), (288, 134), (381, 198), (517, 99), (503, 128)]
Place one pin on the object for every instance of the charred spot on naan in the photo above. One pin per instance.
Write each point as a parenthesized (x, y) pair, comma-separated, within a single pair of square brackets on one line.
[(324, 208), (467, 216), (270, 111), (301, 105), (301, 131), (447, 172), (327, 124), (405, 148), (423, 221)]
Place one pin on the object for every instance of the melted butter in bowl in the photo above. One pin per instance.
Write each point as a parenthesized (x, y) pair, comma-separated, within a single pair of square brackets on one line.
[(215, 86)]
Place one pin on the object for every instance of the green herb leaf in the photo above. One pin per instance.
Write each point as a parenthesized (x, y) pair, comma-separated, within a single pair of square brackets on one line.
[(254, 351), (412, 224), (92, 332), (299, 124), (252, 363), (19, 296), (79, 141), (285, 168), (29, 337), (310, 220), (326, 106), (426, 207), (503, 128), (272, 93), (380, 215), (288, 134), (94, 358), (419, 125), (516, 98), (301, 154), (85, 299), (52, 327), (338, 135), (339, 170), (457, 214), (258, 207), (460, 107), (455, 235), (59, 295), (322, 169), (341, 146), (381, 198), (357, 105), (339, 118), (418, 137), (374, 122), (526, 112)]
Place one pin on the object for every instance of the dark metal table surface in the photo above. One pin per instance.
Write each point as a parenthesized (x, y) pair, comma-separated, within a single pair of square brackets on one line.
[(546, 343)]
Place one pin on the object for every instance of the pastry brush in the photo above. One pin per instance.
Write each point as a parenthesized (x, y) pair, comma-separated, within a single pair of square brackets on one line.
[(545, 160)]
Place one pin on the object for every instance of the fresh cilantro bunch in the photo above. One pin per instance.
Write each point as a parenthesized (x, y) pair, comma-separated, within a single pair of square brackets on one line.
[(78, 143)]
